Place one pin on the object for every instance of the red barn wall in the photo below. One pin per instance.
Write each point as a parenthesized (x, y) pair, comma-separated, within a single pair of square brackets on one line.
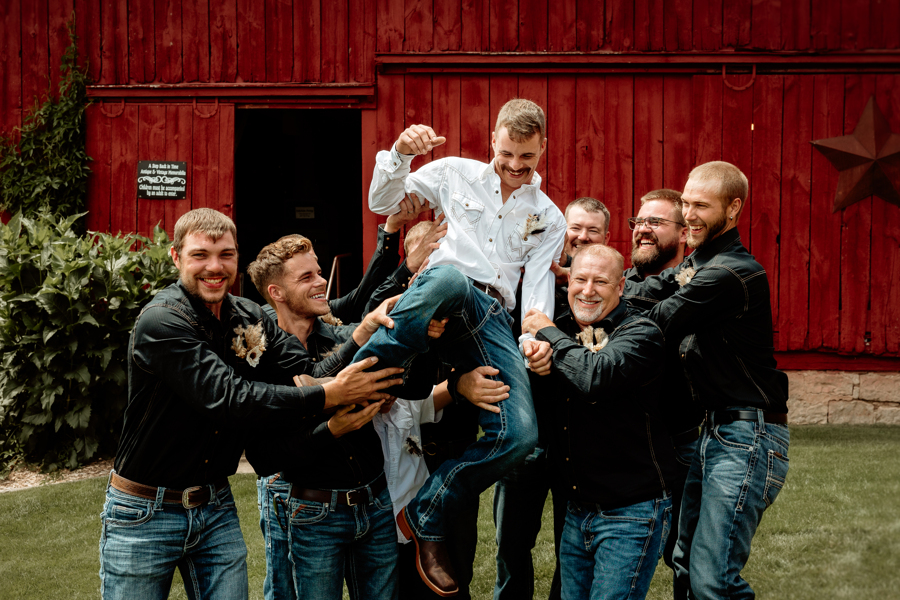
[(633, 92)]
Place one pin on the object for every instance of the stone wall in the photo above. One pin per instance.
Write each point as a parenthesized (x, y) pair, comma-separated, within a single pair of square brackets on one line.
[(818, 397)]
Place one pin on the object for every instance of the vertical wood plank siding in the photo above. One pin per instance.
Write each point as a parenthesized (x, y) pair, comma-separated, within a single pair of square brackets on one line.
[(613, 137)]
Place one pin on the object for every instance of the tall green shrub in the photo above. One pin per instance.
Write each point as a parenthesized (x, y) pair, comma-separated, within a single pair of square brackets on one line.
[(46, 170), (67, 307)]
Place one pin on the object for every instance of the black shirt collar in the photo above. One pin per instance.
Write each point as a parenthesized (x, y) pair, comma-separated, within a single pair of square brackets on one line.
[(708, 251)]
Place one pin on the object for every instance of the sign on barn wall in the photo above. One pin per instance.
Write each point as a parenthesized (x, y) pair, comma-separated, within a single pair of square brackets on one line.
[(161, 180)]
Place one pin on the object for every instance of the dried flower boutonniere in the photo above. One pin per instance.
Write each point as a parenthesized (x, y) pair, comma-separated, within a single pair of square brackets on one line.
[(250, 343), (331, 319), (684, 277), (536, 223), (412, 445), (593, 339)]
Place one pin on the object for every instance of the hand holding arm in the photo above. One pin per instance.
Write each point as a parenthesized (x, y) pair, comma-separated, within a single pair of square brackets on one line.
[(410, 208)]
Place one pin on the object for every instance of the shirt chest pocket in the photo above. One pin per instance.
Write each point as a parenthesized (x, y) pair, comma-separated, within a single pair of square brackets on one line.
[(466, 211), (518, 244)]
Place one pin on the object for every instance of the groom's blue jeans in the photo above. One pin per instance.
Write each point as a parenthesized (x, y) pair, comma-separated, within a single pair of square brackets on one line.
[(478, 333)]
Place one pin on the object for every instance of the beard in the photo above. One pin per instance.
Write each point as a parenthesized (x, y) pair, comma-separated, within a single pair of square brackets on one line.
[(588, 315), (712, 230), (192, 286), (652, 258), (304, 307)]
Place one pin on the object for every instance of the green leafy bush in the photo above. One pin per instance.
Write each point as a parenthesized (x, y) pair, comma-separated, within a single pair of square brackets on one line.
[(47, 168), (67, 307)]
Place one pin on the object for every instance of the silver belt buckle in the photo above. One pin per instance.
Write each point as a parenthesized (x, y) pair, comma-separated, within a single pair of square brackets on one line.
[(184, 497)]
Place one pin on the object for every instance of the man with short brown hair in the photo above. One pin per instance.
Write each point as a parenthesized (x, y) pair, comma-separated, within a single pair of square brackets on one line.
[(499, 222), (716, 306), (202, 365)]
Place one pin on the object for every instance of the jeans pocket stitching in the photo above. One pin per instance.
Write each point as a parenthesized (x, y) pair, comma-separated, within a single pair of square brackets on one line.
[(116, 508), (773, 481), (317, 511), (727, 444)]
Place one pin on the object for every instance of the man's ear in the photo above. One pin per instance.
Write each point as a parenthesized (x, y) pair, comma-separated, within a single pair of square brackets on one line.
[(275, 292), (682, 239), (621, 286), (735, 208), (174, 256), (494, 141)]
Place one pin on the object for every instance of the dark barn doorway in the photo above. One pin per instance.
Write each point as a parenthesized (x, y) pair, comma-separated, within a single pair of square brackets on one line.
[(299, 171)]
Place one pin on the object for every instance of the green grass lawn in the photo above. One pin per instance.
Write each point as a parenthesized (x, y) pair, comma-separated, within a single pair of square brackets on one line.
[(833, 533)]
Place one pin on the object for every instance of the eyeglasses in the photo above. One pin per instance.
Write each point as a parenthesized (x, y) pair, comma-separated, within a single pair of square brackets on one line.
[(651, 222)]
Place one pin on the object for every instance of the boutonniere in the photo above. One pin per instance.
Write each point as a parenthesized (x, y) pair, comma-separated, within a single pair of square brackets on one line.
[(412, 445), (331, 319), (685, 276), (536, 223), (593, 339), (250, 343)]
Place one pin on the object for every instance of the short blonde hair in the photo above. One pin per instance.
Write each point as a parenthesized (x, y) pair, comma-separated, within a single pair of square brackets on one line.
[(415, 235), (522, 119), (207, 221), (722, 179), (601, 251), (268, 268)]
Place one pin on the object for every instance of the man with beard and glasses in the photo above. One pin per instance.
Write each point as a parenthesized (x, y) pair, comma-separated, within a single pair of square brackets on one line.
[(716, 306), (658, 244), (202, 366), (610, 449), (499, 221)]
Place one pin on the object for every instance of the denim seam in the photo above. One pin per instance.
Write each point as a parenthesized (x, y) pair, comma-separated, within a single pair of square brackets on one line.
[(652, 522)]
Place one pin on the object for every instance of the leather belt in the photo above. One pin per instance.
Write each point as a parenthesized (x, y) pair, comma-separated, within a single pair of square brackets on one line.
[(347, 498), (191, 497), (725, 417), (490, 291), (686, 437)]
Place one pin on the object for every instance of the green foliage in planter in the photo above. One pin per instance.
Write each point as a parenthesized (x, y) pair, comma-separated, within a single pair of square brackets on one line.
[(47, 169), (67, 307)]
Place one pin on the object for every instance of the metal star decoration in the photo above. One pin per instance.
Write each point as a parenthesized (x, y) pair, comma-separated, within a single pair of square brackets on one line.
[(868, 160)]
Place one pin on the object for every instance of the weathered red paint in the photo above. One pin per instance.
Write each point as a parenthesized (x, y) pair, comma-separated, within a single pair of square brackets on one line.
[(633, 92)]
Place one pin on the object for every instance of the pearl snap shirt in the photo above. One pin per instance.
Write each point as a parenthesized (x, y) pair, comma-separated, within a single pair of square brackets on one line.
[(487, 240)]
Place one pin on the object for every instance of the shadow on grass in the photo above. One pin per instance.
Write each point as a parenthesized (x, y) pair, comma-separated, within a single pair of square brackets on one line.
[(833, 533)]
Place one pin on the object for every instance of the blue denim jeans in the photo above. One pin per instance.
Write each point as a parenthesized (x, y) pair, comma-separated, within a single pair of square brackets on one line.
[(478, 333), (736, 474), (519, 499), (612, 554), (273, 494), (333, 542), (143, 541)]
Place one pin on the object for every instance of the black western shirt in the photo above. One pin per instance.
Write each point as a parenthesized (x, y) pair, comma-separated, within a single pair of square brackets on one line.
[(679, 410), (609, 443), (723, 319), (309, 455), (191, 397)]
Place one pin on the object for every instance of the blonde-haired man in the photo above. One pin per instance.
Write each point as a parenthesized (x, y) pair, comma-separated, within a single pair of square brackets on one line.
[(716, 306), (202, 366), (499, 222)]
